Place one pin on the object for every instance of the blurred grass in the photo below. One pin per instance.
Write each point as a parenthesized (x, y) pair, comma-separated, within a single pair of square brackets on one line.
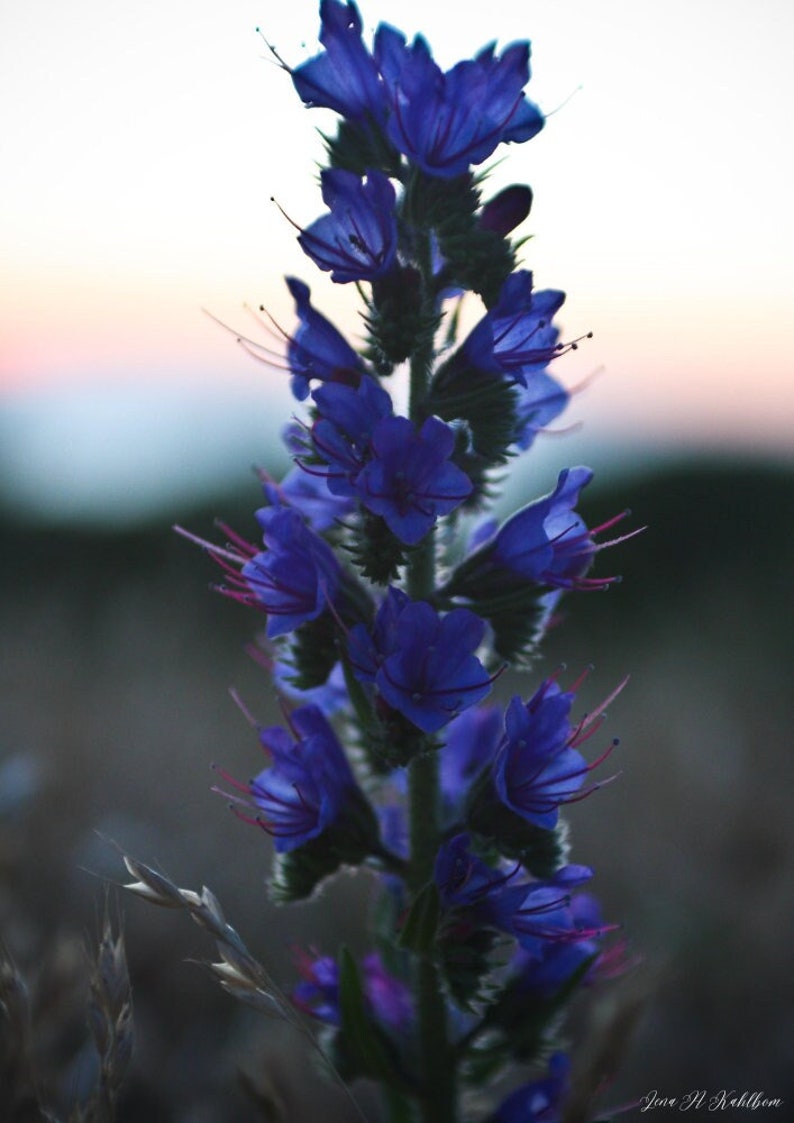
[(115, 664)]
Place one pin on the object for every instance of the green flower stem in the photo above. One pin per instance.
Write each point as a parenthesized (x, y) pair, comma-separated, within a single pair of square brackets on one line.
[(438, 1103)]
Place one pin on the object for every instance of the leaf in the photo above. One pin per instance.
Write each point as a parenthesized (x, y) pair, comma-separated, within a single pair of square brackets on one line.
[(367, 1047), (421, 924)]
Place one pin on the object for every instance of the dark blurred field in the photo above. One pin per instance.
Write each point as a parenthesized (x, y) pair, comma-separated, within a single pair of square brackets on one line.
[(115, 665)]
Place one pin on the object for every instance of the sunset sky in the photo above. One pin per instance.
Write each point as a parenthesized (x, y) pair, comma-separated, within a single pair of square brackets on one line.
[(142, 143)]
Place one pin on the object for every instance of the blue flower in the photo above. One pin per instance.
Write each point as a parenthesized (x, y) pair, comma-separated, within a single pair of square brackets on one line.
[(344, 77), (317, 350), (342, 433), (422, 664), (540, 914), (536, 767), (295, 578), (539, 1101), (357, 241), (536, 913), (309, 783), (548, 975), (547, 543), (444, 122), (409, 479), (516, 337)]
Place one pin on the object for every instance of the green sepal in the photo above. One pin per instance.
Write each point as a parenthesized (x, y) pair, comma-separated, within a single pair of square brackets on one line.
[(475, 259), (377, 552), (359, 148), (394, 319), (392, 741), (465, 955), (480, 260), (353, 837), (313, 652), (521, 1026), (368, 1050), (512, 606), (486, 402), (421, 925), (297, 873), (541, 852)]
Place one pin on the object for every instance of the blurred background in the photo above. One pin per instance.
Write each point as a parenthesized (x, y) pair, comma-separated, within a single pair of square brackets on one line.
[(141, 148)]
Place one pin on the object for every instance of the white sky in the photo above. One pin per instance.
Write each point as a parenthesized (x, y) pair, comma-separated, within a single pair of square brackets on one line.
[(141, 142)]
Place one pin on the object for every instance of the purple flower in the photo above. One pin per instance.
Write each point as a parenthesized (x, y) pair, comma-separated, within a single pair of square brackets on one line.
[(444, 122), (357, 241), (539, 1101), (388, 998), (546, 542), (309, 783), (342, 433), (343, 77), (409, 479), (537, 766), (422, 664), (295, 578), (317, 350), (516, 337)]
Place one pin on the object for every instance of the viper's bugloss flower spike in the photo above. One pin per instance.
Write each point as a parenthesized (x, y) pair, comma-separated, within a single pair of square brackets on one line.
[(357, 241), (317, 351), (378, 613), (445, 122), (410, 480)]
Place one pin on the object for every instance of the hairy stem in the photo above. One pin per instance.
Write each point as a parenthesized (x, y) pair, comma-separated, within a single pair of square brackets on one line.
[(438, 1098)]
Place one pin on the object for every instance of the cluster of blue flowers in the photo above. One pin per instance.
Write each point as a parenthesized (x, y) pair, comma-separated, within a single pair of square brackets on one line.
[(392, 605)]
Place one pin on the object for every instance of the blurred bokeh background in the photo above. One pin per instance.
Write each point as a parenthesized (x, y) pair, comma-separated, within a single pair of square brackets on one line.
[(142, 145)]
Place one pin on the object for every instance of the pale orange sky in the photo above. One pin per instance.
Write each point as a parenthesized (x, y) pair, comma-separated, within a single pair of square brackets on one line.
[(142, 146)]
